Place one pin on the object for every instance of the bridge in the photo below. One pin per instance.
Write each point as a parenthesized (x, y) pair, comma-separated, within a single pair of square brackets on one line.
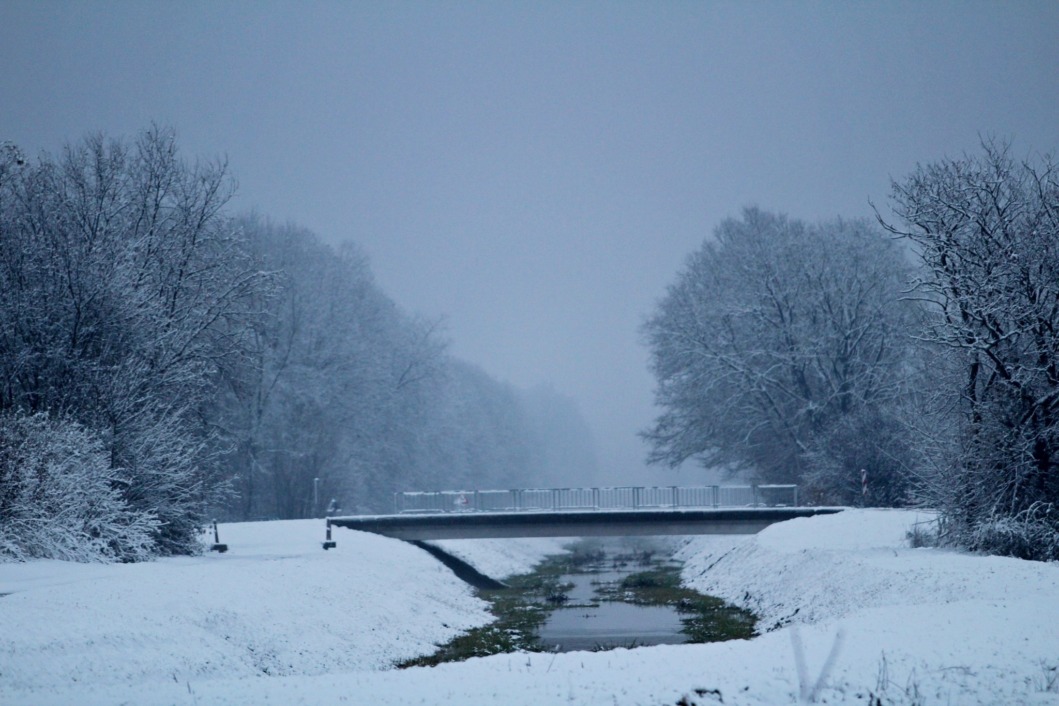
[(585, 512)]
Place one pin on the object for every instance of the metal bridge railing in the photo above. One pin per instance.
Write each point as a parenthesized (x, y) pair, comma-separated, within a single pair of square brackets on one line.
[(620, 498)]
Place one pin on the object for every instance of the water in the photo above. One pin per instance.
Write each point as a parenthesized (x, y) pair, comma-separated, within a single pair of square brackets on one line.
[(591, 619), (604, 594)]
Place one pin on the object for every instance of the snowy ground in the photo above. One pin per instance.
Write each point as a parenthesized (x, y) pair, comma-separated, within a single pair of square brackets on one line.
[(277, 620)]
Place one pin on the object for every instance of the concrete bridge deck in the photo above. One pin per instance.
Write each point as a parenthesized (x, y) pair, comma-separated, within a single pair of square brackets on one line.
[(586, 523)]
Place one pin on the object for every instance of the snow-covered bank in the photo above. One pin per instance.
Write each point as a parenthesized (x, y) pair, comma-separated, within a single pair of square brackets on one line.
[(958, 628), (834, 566), (274, 604), (921, 626)]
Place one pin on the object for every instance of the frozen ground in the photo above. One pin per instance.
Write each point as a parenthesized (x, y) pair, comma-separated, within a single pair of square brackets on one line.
[(279, 621)]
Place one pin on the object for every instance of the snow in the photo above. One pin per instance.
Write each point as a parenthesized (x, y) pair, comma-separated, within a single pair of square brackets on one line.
[(500, 558), (279, 621)]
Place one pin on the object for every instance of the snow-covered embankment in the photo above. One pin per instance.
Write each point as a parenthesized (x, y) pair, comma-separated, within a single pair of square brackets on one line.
[(950, 626), (275, 604), (278, 622)]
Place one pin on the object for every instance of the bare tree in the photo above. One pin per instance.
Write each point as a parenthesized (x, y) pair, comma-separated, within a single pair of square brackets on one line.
[(987, 230), (780, 348)]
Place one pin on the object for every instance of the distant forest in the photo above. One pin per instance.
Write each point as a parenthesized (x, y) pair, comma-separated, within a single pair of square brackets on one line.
[(164, 362)]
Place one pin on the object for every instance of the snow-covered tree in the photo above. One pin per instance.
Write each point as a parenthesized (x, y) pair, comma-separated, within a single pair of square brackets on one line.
[(987, 230), (330, 402), (780, 349), (344, 387), (205, 353), (123, 291)]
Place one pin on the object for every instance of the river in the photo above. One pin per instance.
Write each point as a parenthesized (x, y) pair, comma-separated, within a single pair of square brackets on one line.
[(603, 594)]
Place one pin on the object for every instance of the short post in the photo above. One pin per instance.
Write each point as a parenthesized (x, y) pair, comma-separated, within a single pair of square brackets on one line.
[(217, 546), (328, 542)]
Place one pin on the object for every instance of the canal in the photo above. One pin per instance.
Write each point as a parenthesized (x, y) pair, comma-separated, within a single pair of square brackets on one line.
[(605, 593), (596, 611)]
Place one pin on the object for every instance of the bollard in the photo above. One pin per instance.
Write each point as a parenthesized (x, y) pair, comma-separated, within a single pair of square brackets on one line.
[(328, 542), (217, 546)]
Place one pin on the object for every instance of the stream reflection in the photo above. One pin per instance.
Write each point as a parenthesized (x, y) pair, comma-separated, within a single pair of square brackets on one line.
[(591, 619)]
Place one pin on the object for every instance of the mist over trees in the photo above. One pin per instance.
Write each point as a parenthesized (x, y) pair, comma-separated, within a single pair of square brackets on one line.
[(566, 460), (162, 362), (340, 385)]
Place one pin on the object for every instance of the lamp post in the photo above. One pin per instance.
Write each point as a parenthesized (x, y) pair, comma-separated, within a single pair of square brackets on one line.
[(316, 496)]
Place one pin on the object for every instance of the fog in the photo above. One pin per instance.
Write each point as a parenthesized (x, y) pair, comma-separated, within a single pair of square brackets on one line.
[(537, 173)]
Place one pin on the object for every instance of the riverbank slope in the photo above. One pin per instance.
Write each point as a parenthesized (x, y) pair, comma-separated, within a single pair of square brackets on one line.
[(279, 621)]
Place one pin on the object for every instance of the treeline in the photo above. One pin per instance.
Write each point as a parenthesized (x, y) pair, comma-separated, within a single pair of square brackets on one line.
[(912, 360), (339, 394), (163, 361)]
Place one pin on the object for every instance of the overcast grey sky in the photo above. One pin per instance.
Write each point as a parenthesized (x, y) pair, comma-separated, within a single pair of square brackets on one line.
[(537, 172)]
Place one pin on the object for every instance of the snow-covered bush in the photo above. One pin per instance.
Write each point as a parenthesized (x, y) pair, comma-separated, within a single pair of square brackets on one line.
[(1031, 534), (59, 497)]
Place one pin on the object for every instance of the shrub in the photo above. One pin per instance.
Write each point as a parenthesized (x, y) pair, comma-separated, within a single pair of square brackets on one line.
[(924, 534), (1031, 534), (60, 499)]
